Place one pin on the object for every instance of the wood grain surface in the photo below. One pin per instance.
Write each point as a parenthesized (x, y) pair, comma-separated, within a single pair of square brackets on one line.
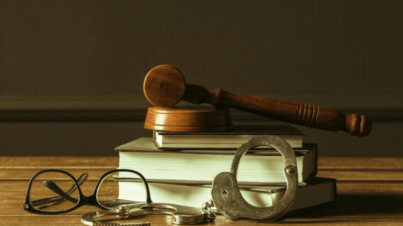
[(370, 191)]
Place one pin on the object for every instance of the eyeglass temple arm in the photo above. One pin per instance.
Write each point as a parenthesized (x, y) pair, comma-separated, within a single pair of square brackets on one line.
[(56, 189), (59, 198), (80, 180)]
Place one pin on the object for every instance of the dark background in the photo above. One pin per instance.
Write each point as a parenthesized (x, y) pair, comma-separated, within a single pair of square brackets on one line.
[(71, 72)]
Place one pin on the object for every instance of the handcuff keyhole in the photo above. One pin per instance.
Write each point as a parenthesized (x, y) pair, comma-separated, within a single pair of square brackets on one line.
[(224, 192)]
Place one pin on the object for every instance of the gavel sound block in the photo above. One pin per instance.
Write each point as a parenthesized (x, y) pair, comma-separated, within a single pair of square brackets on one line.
[(188, 119), (165, 86)]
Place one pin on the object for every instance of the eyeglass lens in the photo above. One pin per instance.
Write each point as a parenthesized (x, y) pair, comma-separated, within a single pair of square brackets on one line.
[(114, 186), (53, 192)]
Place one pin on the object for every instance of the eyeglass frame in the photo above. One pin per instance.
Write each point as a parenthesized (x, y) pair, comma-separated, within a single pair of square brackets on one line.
[(83, 200)]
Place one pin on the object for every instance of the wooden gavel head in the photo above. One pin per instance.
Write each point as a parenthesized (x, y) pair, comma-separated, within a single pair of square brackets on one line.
[(164, 86)]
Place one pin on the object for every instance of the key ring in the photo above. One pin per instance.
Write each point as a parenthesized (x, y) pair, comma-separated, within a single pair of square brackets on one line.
[(228, 198)]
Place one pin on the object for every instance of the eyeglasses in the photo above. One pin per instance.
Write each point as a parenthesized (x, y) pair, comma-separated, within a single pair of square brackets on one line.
[(55, 191)]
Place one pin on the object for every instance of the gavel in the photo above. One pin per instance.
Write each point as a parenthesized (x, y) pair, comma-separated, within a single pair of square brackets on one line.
[(165, 86)]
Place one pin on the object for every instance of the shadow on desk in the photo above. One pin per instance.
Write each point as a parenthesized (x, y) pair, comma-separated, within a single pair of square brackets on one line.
[(385, 204), (349, 207)]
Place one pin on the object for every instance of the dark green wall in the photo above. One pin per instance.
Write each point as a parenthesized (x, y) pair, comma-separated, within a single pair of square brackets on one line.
[(71, 72)]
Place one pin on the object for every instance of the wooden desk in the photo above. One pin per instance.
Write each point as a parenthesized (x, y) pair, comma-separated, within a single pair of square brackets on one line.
[(370, 190)]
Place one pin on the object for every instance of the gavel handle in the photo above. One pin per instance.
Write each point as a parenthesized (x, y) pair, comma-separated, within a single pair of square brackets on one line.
[(288, 111)]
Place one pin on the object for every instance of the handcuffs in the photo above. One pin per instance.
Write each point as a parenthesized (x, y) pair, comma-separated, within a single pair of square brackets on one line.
[(225, 193)]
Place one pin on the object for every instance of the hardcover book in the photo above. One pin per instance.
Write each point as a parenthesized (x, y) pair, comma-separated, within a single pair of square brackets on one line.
[(257, 167), (320, 192), (227, 140)]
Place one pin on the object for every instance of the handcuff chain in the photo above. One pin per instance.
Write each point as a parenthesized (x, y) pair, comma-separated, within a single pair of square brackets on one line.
[(206, 207)]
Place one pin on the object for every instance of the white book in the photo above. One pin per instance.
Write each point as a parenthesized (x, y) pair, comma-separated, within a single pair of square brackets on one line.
[(318, 193), (227, 140), (257, 167)]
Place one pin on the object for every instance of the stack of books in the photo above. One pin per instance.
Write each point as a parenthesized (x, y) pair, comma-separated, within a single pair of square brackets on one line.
[(180, 167)]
